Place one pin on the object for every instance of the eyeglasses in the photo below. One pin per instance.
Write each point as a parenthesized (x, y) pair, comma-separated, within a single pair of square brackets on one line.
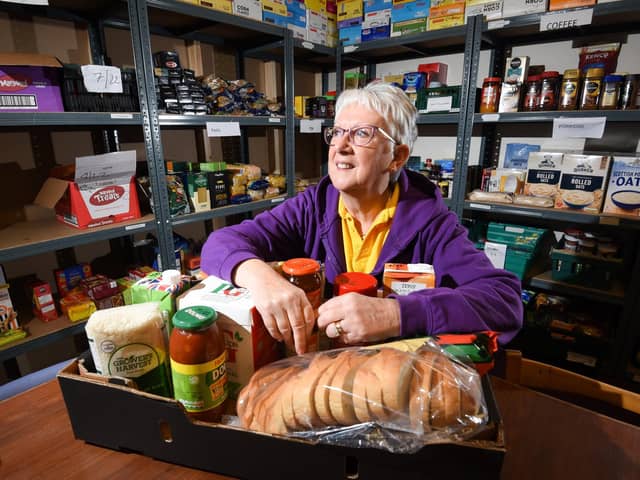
[(360, 136)]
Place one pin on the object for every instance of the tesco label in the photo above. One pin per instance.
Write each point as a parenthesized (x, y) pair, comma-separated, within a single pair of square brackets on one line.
[(13, 83), (107, 195), (565, 19)]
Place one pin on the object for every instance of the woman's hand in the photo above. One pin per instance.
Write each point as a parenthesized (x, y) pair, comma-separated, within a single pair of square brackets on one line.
[(285, 309), (356, 318)]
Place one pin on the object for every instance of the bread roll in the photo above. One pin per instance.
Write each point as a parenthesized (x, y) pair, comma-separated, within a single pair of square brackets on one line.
[(427, 390)]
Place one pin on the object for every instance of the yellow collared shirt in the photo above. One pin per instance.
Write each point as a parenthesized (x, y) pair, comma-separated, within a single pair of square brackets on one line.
[(361, 254)]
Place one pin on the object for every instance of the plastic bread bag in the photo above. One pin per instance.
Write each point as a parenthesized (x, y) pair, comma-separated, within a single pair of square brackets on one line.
[(367, 397)]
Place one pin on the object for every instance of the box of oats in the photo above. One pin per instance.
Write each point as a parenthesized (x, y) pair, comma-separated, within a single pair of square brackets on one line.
[(543, 174), (623, 189), (583, 182)]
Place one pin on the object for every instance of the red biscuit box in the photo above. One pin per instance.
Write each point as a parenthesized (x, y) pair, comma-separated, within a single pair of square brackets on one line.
[(102, 191), (98, 287), (43, 305)]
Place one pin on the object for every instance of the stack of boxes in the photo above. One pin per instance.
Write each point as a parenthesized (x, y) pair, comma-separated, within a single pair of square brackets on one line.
[(274, 12), (297, 18), (409, 16), (376, 22), (446, 14), (248, 8), (349, 16), (491, 9), (177, 89), (221, 5), (317, 21)]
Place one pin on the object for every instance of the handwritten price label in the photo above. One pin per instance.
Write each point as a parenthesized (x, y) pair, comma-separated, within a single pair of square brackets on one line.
[(102, 79)]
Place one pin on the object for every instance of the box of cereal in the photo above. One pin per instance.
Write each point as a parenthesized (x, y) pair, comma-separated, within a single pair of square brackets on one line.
[(623, 190), (543, 174), (583, 182)]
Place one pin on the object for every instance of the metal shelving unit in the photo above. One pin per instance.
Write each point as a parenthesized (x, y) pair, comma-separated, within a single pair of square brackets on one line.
[(499, 36)]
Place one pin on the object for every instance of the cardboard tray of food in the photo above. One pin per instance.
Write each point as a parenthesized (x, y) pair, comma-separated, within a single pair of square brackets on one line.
[(122, 418)]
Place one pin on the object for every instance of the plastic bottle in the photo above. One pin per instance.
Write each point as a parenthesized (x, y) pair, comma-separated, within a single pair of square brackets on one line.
[(490, 95)]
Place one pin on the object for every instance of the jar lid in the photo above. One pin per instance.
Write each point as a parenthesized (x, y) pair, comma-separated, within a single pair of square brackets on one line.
[(492, 79), (550, 74), (595, 72), (356, 282), (194, 318), (533, 78), (572, 73), (633, 76), (613, 78), (301, 266), (574, 232)]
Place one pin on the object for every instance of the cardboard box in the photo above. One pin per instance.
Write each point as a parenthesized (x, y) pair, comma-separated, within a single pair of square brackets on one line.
[(408, 27), (523, 7), (30, 82), (623, 191), (103, 191), (406, 278), (248, 8), (410, 11), (249, 345), (543, 174), (154, 426), (221, 5), (490, 9), (562, 4), (438, 23), (583, 182)]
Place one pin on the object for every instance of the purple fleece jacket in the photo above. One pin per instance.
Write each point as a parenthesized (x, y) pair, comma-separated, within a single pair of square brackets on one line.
[(470, 294)]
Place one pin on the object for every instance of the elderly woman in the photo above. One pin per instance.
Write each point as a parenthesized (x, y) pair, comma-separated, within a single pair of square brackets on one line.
[(368, 211)]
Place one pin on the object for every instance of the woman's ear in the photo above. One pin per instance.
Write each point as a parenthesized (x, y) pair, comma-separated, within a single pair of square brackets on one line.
[(400, 157)]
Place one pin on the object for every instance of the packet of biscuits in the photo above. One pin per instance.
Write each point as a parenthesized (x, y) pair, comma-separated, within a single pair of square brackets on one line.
[(367, 397)]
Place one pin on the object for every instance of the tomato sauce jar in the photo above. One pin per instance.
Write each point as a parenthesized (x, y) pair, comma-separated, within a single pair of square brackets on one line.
[(198, 369), (305, 273), (357, 282)]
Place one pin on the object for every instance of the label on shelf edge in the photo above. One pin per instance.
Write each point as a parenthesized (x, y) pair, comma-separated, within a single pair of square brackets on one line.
[(565, 19), (490, 117), (607, 220), (135, 227), (350, 48), (497, 24), (587, 360), (308, 45), (277, 200), (481, 206), (122, 115), (310, 126), (223, 129), (275, 120)]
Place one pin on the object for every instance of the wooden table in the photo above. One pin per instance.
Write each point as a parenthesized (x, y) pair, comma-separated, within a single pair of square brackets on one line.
[(36, 441)]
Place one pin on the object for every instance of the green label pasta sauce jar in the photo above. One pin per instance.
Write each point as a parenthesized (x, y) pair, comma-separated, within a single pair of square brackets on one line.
[(198, 370)]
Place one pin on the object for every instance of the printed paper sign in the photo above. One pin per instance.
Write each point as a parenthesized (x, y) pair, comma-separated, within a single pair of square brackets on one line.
[(310, 126), (102, 79), (496, 253), (579, 127), (223, 129), (565, 19), (439, 104)]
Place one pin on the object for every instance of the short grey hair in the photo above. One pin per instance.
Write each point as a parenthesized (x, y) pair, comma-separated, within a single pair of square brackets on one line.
[(391, 103)]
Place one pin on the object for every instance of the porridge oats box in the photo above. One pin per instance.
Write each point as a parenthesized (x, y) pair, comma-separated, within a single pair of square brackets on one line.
[(623, 190), (583, 182), (543, 174)]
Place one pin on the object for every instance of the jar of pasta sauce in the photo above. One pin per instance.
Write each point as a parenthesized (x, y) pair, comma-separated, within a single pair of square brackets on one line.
[(490, 95), (198, 369), (356, 282), (305, 273)]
